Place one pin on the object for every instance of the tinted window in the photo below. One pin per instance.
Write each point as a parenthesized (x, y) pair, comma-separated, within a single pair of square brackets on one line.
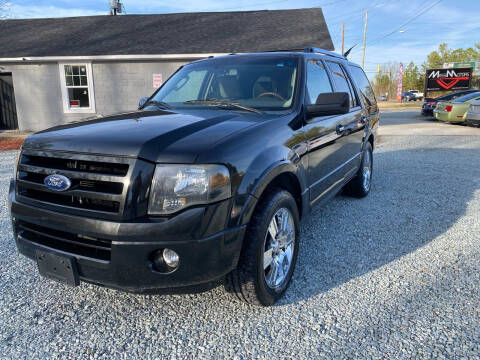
[(454, 95), (342, 84), (317, 81), (467, 97), (363, 85)]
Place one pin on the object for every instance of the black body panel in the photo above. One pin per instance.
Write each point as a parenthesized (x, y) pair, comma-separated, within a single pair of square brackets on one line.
[(102, 221)]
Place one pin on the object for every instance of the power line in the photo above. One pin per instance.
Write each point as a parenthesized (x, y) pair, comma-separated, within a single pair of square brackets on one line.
[(405, 23)]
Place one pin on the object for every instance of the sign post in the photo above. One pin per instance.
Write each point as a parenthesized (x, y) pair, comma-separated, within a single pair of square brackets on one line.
[(400, 83)]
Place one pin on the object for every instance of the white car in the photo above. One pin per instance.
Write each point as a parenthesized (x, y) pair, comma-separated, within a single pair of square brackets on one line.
[(473, 114), (418, 94)]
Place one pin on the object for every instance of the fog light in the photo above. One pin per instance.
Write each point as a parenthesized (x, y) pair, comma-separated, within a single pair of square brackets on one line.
[(171, 258)]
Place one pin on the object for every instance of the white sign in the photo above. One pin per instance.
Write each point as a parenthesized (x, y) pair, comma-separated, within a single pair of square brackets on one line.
[(157, 80)]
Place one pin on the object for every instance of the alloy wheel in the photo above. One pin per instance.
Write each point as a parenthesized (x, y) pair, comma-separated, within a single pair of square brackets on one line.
[(279, 248)]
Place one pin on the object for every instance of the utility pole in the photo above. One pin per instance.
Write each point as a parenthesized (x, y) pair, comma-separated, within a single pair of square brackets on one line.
[(343, 38), (115, 7), (364, 39)]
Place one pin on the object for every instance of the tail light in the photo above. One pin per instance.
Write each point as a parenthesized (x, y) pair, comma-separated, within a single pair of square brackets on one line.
[(448, 108), (431, 102)]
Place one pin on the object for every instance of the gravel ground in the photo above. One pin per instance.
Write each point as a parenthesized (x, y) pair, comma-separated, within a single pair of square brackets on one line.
[(395, 275)]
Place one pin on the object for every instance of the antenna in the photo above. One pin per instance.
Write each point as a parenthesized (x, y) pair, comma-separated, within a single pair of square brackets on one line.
[(348, 51), (116, 7)]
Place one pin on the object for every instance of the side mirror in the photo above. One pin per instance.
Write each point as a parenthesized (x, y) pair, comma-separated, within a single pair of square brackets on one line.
[(329, 104), (142, 102)]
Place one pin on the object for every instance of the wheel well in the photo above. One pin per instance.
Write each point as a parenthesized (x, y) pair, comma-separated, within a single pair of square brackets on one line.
[(288, 182)]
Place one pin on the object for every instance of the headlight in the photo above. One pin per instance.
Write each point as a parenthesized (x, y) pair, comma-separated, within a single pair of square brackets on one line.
[(176, 187)]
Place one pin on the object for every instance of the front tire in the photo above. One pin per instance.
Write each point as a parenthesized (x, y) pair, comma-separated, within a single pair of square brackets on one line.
[(360, 185), (269, 253)]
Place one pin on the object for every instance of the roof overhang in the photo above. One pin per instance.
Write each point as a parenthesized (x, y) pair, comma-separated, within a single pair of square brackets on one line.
[(109, 58)]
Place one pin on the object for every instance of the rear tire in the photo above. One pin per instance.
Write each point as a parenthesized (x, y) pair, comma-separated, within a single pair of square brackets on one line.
[(360, 185), (270, 250)]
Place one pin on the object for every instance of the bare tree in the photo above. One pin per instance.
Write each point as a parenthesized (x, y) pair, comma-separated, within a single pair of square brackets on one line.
[(4, 9), (386, 80)]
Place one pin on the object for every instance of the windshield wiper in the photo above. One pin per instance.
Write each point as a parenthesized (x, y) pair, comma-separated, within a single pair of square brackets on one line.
[(159, 104), (215, 102)]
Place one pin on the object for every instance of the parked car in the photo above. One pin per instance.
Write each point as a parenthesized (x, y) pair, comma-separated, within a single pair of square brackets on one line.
[(473, 114), (208, 180), (418, 94), (382, 98), (430, 103), (408, 96), (455, 111)]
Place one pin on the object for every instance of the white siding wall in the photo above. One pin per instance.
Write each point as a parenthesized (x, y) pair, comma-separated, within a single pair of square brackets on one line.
[(118, 88)]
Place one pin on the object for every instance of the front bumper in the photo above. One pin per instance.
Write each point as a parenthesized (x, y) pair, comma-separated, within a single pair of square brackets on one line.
[(203, 259)]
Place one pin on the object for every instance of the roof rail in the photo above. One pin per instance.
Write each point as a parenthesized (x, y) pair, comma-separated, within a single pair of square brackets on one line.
[(312, 49)]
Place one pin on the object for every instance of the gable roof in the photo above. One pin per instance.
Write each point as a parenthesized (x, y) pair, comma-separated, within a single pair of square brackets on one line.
[(183, 33)]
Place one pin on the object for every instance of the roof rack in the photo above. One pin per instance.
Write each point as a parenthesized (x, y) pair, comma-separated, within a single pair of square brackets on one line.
[(315, 50)]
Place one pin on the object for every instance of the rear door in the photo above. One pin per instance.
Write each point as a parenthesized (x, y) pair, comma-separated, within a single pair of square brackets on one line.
[(366, 95), (353, 123), (329, 150)]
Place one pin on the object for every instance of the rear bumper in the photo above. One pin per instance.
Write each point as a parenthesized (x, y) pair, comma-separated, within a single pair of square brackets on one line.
[(203, 259), (427, 110), (445, 116)]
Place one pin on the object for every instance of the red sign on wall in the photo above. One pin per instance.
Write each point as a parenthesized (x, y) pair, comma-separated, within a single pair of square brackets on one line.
[(157, 80)]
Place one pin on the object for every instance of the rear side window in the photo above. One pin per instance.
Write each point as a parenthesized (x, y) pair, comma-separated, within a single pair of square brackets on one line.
[(363, 85), (467, 97), (342, 83), (317, 81)]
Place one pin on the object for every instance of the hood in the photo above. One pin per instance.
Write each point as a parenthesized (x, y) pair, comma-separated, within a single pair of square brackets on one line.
[(158, 136)]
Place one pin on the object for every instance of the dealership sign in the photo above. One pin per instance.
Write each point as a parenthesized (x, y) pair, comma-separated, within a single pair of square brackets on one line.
[(448, 79)]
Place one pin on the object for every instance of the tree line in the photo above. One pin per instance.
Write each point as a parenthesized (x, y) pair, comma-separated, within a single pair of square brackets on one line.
[(386, 80)]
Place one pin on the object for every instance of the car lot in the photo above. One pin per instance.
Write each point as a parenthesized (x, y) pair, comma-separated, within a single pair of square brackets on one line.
[(394, 275)]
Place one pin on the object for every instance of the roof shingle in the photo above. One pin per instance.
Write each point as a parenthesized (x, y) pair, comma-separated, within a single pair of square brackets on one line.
[(183, 33)]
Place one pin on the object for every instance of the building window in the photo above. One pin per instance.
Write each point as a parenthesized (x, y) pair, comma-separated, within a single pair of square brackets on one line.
[(77, 88)]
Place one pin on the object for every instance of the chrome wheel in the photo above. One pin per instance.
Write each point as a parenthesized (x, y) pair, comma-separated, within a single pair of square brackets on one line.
[(367, 170), (278, 248)]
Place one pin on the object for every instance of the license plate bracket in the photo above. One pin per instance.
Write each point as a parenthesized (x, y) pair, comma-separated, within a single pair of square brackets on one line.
[(61, 268)]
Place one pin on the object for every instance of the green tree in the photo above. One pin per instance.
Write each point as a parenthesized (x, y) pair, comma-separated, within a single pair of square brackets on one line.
[(437, 58), (412, 77)]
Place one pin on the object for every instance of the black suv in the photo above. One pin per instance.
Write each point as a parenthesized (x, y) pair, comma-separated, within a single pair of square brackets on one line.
[(206, 182)]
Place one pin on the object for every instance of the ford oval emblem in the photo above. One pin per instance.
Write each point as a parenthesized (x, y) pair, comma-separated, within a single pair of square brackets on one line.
[(57, 182)]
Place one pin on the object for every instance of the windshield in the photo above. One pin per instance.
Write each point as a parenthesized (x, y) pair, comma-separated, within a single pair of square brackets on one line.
[(263, 83)]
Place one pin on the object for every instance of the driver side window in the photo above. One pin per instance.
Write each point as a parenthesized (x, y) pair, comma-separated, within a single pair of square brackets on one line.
[(317, 81)]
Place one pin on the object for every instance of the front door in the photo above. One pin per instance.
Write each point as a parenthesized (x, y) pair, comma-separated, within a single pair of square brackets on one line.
[(8, 109)]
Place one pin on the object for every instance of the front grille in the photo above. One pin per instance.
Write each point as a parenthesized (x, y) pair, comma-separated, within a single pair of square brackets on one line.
[(97, 182), (81, 202), (75, 244), (95, 167)]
